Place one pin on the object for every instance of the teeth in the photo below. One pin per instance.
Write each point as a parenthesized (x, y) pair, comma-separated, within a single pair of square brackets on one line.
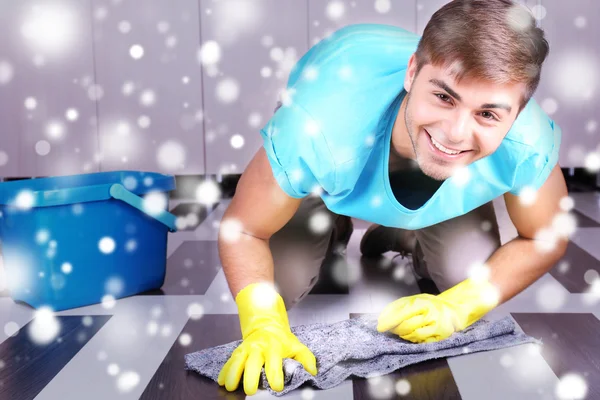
[(442, 148)]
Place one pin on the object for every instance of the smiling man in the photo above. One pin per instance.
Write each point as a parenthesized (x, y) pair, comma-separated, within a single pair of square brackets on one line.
[(417, 135)]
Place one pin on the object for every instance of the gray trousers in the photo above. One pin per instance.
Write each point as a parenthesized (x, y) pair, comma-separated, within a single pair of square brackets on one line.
[(446, 251)]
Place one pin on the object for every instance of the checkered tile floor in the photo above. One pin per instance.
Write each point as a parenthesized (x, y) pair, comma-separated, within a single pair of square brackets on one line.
[(134, 350)]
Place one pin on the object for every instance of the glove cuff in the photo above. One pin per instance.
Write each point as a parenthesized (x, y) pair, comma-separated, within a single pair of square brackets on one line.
[(472, 299), (260, 306)]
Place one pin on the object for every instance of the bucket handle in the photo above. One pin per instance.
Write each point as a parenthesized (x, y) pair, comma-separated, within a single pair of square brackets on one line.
[(119, 192)]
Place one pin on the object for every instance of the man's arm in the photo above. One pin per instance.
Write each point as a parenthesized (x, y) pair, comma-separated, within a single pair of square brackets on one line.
[(518, 263), (258, 209)]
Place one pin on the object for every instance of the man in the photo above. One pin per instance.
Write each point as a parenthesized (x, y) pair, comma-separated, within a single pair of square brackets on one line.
[(415, 135)]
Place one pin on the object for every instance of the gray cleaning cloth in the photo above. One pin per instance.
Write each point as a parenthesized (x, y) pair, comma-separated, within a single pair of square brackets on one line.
[(354, 347)]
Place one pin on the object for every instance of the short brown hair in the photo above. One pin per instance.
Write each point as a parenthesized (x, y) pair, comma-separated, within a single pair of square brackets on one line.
[(491, 40)]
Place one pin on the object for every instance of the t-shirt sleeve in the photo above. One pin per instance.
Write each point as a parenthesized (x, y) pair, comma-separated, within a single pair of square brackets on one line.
[(298, 152), (535, 169)]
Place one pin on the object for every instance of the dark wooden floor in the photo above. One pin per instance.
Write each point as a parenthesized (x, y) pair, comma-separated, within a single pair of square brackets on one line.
[(79, 363)]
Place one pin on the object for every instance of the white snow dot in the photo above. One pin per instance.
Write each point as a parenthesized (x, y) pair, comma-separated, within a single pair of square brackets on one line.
[(208, 192), (171, 41), (72, 114), (166, 330), (254, 120), (25, 200), (95, 92), (100, 13), (549, 105), (582, 67), (307, 393), (266, 72), (592, 162), (310, 73), (539, 12), (106, 245), (590, 276), (3, 158), (227, 90), (130, 183), (66, 268), (42, 236), (55, 130), (185, 339), (230, 230), (136, 51), (591, 126), (551, 296), (335, 10), (185, 80), (163, 26), (376, 201), (564, 224), (87, 321), (545, 240), (114, 285), (507, 360), (403, 387), (42, 147), (127, 88), (276, 54), (563, 267), (131, 245), (571, 386), (147, 98), (209, 53), (383, 6), (461, 176), (45, 327), (171, 155), (124, 26), (11, 329), (237, 141), (144, 121), (112, 369), (155, 202), (30, 103), (528, 196), (108, 301), (267, 41), (195, 311), (319, 222), (567, 203), (152, 328), (580, 22), (225, 297), (311, 127), (6, 72)]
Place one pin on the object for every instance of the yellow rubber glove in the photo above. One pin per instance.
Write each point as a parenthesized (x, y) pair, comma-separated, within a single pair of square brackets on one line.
[(431, 318), (267, 340)]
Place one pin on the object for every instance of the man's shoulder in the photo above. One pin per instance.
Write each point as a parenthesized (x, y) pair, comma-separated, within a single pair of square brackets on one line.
[(534, 131)]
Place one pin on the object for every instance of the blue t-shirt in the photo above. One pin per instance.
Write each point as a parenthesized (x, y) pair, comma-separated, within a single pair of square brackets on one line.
[(332, 135)]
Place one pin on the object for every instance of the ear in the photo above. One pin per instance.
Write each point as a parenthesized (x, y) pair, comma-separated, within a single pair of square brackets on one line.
[(411, 70)]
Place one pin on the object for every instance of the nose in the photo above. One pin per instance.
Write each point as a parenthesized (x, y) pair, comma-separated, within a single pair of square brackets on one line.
[(459, 129)]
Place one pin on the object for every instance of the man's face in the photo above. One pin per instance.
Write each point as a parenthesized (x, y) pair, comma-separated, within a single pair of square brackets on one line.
[(473, 118)]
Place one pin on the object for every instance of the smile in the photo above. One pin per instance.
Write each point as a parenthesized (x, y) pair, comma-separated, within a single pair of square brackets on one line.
[(439, 149)]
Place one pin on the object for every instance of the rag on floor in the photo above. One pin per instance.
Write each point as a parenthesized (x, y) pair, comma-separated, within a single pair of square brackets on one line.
[(355, 347)]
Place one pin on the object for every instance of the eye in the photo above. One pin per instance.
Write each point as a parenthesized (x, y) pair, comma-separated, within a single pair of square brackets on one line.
[(490, 114), (444, 97)]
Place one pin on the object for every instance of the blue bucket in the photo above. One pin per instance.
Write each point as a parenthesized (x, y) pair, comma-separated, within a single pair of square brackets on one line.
[(69, 241)]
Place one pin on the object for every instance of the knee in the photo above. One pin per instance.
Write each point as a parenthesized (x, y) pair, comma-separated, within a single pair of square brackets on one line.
[(451, 264), (294, 294)]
